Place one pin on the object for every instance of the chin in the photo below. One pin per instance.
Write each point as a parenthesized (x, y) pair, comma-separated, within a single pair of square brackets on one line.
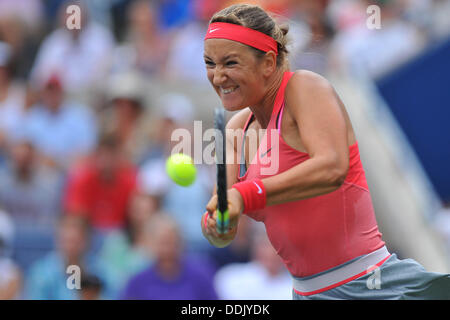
[(233, 105), (232, 108)]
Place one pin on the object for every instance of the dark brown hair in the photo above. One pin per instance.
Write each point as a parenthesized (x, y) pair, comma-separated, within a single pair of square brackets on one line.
[(254, 17)]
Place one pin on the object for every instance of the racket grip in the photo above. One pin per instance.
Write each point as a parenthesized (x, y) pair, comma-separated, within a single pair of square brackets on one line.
[(222, 222)]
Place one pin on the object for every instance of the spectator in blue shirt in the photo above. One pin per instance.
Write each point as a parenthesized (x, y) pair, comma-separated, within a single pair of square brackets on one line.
[(51, 278), (62, 130), (173, 275), (31, 194)]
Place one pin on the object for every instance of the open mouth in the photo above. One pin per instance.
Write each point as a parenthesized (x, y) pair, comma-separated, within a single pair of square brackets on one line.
[(228, 90)]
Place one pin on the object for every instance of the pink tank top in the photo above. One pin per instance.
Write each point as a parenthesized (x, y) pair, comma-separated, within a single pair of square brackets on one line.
[(315, 234)]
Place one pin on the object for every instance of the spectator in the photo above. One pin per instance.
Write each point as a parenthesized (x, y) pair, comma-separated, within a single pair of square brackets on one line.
[(373, 52), (10, 274), (124, 251), (100, 189), (263, 278), (27, 11), (126, 115), (91, 287), (100, 11), (314, 53), (185, 58), (47, 279), (15, 116), (80, 56), (61, 130), (184, 204), (11, 99), (152, 186), (172, 111), (21, 27), (173, 276), (30, 192), (146, 46)]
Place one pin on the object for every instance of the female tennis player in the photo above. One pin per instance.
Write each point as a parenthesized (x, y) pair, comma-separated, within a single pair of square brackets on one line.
[(317, 207)]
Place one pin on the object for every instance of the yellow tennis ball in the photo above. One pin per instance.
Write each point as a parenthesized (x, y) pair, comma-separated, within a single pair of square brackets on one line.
[(181, 169)]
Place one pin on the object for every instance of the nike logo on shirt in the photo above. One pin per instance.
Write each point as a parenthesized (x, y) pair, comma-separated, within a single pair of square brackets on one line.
[(265, 153)]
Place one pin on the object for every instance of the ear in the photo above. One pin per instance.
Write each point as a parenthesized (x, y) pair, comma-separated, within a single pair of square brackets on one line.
[(269, 63)]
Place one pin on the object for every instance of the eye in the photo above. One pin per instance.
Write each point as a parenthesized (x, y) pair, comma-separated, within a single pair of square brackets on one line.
[(209, 63), (231, 63)]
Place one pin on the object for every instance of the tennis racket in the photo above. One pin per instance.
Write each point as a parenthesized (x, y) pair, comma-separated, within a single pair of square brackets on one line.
[(222, 222)]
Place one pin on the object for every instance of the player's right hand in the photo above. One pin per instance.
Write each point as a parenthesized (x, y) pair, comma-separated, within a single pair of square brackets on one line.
[(235, 208)]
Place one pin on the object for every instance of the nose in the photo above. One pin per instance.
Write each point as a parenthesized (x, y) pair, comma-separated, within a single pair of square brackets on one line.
[(219, 76)]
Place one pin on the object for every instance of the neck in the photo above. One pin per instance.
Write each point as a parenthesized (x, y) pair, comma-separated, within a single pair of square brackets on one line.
[(263, 110), (126, 125), (72, 260), (107, 176), (23, 174), (4, 91), (168, 269)]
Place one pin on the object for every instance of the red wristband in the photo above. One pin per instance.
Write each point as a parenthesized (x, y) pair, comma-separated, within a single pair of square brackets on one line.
[(205, 221), (253, 193)]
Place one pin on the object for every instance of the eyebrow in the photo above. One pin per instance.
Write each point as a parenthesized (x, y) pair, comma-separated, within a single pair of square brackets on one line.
[(231, 55)]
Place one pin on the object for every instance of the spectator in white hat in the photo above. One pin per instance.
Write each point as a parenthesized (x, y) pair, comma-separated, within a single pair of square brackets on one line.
[(172, 111), (126, 114)]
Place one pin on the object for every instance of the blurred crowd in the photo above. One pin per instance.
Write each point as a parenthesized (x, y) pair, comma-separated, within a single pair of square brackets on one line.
[(83, 140)]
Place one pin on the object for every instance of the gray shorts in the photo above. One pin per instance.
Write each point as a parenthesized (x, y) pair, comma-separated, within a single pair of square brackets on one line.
[(395, 279)]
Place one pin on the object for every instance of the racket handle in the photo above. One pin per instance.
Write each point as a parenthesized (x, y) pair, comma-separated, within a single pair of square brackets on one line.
[(222, 222)]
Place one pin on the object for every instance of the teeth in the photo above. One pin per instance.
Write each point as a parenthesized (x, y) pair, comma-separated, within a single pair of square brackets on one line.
[(225, 91)]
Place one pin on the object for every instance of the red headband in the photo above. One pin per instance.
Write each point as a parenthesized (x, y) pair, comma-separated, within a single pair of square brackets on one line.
[(250, 37)]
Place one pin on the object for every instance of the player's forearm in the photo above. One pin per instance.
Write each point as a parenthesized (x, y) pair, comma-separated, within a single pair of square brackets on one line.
[(311, 178)]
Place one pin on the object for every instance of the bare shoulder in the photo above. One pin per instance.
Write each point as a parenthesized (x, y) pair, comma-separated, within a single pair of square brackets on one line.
[(238, 119), (307, 88), (312, 101), (307, 80)]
